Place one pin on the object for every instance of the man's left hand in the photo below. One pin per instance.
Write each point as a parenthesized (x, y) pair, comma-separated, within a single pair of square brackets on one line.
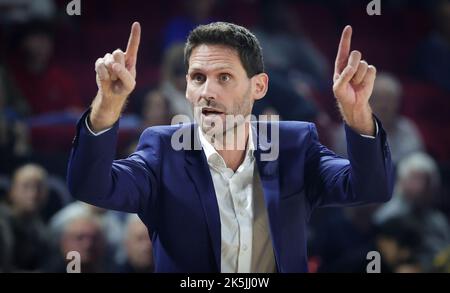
[(353, 82)]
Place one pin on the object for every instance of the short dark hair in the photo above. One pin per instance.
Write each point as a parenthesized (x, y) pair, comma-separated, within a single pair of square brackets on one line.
[(231, 35)]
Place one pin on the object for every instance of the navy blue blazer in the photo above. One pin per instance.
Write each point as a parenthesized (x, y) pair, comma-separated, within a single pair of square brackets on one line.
[(173, 193)]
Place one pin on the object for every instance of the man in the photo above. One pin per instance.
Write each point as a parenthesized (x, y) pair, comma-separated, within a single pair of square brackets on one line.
[(84, 234), (138, 247), (225, 209)]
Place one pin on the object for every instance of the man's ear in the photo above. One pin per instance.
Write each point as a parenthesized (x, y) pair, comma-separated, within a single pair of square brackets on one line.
[(260, 85)]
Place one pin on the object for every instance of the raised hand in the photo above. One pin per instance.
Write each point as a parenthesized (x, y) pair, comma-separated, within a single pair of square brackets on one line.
[(353, 83), (116, 79)]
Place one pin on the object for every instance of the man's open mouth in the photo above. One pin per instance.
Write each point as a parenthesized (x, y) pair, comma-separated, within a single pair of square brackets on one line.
[(211, 111)]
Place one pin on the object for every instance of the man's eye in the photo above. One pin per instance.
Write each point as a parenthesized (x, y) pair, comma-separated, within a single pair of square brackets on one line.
[(199, 78), (224, 77)]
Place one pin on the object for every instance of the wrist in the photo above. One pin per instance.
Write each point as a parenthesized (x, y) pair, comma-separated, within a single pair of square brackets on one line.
[(362, 122), (102, 118)]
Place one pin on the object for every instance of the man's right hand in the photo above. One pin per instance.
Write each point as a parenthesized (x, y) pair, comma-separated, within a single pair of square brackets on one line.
[(116, 79)]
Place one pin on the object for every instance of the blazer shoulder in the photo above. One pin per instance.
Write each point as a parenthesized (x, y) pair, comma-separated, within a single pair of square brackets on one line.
[(164, 133), (291, 134), (297, 126), (293, 128), (161, 130), (288, 126)]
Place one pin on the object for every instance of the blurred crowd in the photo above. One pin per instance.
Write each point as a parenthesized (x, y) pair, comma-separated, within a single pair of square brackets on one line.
[(47, 80)]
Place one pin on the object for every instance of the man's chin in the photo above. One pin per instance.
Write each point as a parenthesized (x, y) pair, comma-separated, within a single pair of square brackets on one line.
[(218, 124), (212, 123)]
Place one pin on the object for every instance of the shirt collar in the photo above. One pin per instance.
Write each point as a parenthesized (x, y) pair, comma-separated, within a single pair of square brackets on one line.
[(212, 153)]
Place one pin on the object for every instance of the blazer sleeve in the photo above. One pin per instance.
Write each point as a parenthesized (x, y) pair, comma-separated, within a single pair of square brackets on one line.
[(366, 177), (127, 185)]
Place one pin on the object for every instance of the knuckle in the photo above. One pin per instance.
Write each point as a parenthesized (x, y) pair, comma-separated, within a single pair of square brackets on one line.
[(356, 53), (117, 55), (98, 63), (110, 57), (109, 62)]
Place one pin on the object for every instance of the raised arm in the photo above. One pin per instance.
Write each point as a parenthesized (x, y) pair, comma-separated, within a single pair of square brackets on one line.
[(367, 177), (93, 176), (353, 82), (116, 79)]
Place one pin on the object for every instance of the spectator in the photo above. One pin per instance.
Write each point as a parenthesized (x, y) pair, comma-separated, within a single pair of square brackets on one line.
[(83, 234), (341, 238), (14, 137), (398, 241), (26, 198), (283, 100), (403, 136), (155, 110), (138, 247), (173, 85), (286, 48), (295, 67), (6, 241), (46, 86), (417, 188), (441, 263), (111, 223), (19, 11), (12, 99)]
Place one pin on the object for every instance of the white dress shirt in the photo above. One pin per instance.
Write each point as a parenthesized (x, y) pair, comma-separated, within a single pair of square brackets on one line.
[(246, 244)]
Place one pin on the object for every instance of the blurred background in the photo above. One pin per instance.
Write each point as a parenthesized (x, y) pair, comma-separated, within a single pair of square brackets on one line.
[(47, 80)]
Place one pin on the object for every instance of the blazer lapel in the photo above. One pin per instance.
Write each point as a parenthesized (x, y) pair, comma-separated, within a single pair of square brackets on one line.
[(198, 171)]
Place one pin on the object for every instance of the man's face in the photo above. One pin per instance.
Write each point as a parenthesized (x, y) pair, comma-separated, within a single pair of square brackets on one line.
[(218, 85), (416, 188), (39, 49), (138, 245), (84, 236), (28, 192)]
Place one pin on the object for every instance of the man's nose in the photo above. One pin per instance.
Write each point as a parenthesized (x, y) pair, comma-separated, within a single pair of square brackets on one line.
[(209, 90)]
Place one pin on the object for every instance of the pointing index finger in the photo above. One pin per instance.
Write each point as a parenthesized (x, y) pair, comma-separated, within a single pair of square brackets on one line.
[(133, 45), (343, 50)]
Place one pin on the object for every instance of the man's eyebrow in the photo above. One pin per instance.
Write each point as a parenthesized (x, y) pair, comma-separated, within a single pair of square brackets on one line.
[(218, 68)]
